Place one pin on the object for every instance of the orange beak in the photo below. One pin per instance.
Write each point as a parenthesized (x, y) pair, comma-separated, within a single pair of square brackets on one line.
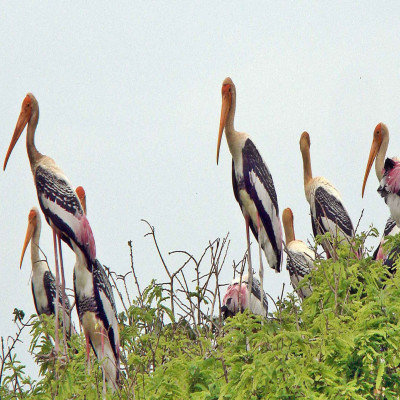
[(28, 237), (80, 191), (23, 119), (376, 144), (226, 105)]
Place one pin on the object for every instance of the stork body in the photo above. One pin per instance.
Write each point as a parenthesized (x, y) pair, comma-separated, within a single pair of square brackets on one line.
[(328, 213), (43, 282), (56, 196), (236, 298), (253, 187), (300, 260), (254, 190), (96, 310)]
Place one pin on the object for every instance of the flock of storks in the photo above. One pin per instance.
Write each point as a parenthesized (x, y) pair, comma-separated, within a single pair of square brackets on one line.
[(255, 192), (65, 211)]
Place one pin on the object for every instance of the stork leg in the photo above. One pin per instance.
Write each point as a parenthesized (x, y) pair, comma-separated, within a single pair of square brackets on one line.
[(261, 262), (63, 295), (102, 333), (87, 352), (56, 340), (250, 270)]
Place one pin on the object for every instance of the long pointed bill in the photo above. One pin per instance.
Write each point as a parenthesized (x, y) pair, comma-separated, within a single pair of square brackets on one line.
[(224, 114), (372, 154), (28, 237), (19, 128)]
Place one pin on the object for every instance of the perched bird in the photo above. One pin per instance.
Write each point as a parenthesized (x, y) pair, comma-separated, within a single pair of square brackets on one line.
[(96, 310), (43, 282), (236, 298), (386, 174), (300, 260), (56, 196), (253, 187), (328, 213)]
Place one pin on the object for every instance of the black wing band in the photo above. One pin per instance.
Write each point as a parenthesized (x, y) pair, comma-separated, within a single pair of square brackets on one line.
[(102, 284), (328, 206), (253, 162)]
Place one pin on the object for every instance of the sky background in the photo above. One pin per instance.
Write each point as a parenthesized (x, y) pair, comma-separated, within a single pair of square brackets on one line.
[(130, 99)]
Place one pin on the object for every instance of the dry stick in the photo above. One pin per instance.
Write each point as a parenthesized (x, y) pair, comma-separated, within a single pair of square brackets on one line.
[(240, 281), (186, 288), (225, 255), (118, 291), (214, 269), (152, 233), (216, 261), (217, 291), (126, 288), (134, 274), (204, 315), (197, 273), (180, 270), (359, 221), (280, 303)]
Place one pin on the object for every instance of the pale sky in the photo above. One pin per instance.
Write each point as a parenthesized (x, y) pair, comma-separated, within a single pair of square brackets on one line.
[(130, 99)]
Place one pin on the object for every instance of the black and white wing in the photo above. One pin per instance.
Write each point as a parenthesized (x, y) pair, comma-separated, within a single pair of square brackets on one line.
[(48, 307), (390, 229), (260, 187), (63, 210), (106, 309), (330, 214), (300, 262), (255, 305), (235, 187)]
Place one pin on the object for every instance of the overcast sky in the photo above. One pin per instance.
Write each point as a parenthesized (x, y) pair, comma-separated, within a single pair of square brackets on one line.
[(130, 99)]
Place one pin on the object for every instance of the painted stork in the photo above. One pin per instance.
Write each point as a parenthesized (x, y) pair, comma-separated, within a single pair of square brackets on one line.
[(43, 282), (253, 187), (300, 260), (377, 153), (96, 310), (57, 198), (236, 298), (328, 213), (387, 172)]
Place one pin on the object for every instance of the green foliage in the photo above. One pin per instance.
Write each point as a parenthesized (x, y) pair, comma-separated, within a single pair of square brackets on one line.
[(341, 343)]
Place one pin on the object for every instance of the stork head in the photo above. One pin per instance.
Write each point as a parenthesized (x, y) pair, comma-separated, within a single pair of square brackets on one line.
[(80, 192), (29, 104), (227, 89), (287, 221), (33, 226), (380, 132), (305, 142)]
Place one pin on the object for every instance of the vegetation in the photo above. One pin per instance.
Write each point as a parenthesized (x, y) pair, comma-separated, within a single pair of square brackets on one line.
[(340, 343)]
